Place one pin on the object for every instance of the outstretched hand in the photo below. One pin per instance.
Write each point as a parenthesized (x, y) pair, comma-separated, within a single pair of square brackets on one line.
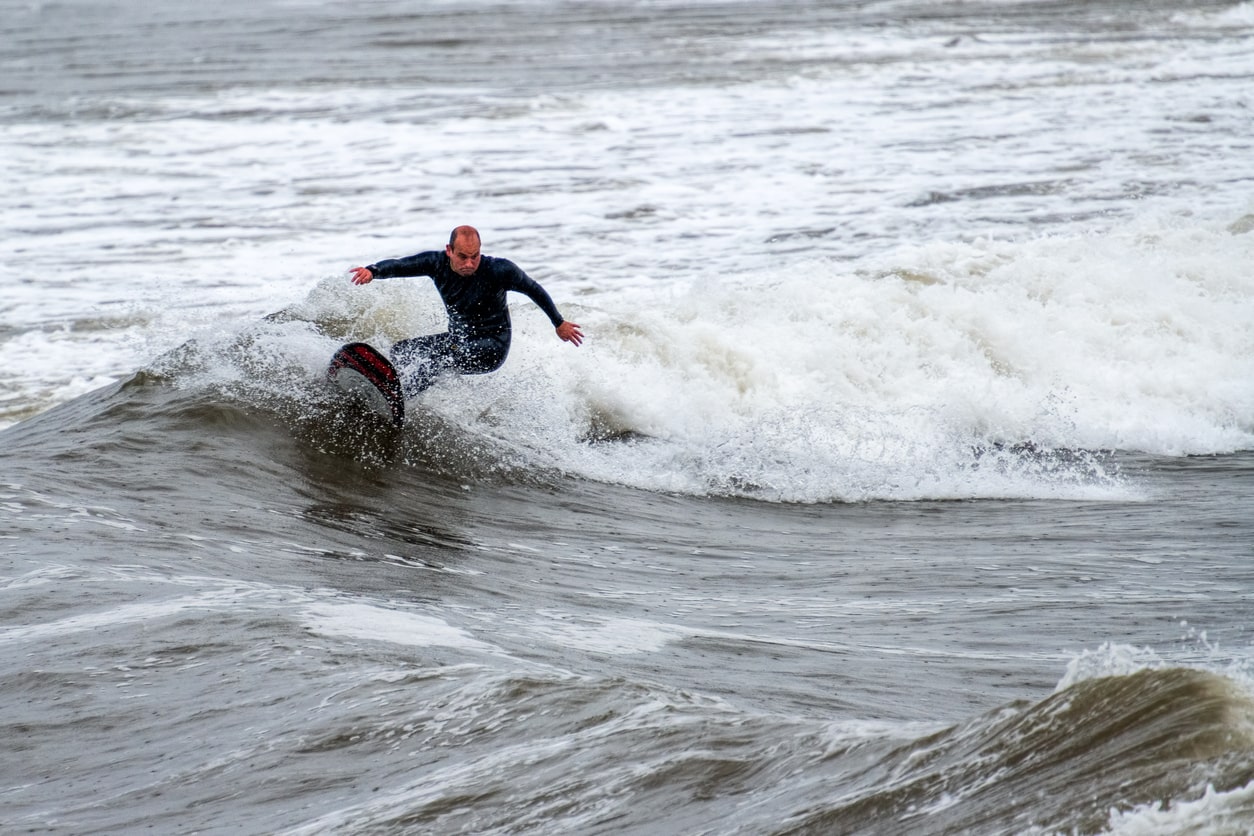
[(570, 332), (361, 275)]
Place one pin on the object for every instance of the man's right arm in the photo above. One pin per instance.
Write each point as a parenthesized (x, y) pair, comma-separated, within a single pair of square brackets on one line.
[(420, 264)]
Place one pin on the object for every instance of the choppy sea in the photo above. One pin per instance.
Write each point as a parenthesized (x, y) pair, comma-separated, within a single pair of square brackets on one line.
[(903, 485)]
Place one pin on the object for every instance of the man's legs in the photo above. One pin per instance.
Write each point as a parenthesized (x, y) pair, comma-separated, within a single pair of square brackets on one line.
[(420, 360)]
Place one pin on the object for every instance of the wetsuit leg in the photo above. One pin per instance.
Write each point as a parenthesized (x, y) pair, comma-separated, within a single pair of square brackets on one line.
[(421, 360), (482, 354)]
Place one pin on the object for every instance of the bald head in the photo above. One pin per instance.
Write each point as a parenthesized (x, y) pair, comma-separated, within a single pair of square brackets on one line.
[(463, 250), (464, 232)]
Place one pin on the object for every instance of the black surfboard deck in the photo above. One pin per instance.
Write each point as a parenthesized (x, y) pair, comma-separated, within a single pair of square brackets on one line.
[(360, 370)]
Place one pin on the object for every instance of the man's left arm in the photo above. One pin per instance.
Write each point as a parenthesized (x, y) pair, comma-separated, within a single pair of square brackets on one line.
[(529, 287)]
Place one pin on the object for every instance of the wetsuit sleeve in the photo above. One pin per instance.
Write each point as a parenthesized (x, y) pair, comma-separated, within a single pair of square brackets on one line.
[(420, 264), (529, 287)]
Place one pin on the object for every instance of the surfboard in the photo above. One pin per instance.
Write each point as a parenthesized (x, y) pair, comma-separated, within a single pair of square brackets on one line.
[(363, 372)]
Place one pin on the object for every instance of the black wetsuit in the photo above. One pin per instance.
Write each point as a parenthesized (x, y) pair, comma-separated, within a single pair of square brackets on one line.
[(478, 336)]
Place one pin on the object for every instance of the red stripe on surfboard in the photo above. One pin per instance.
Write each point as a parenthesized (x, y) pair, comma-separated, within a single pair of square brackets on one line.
[(367, 362), (365, 352), (371, 371)]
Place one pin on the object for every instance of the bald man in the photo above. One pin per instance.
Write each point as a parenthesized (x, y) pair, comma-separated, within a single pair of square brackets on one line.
[(473, 287)]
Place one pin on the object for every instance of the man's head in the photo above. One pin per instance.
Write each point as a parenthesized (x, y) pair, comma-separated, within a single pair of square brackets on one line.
[(463, 250)]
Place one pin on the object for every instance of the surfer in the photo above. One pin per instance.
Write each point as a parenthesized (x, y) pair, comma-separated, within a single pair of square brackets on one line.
[(473, 288)]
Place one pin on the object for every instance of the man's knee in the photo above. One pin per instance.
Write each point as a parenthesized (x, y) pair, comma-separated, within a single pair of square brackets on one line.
[(482, 356)]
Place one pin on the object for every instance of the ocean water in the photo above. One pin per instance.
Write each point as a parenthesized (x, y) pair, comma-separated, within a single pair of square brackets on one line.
[(903, 483)]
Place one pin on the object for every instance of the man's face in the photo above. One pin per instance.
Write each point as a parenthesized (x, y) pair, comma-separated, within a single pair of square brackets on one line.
[(463, 254)]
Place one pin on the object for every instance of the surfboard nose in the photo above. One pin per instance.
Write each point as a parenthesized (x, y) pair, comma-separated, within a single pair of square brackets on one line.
[(360, 370)]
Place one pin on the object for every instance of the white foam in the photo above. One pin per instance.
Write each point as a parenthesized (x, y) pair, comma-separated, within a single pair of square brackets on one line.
[(1217, 812), (1238, 16), (603, 634), (884, 379), (125, 614), (375, 623), (1108, 660)]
